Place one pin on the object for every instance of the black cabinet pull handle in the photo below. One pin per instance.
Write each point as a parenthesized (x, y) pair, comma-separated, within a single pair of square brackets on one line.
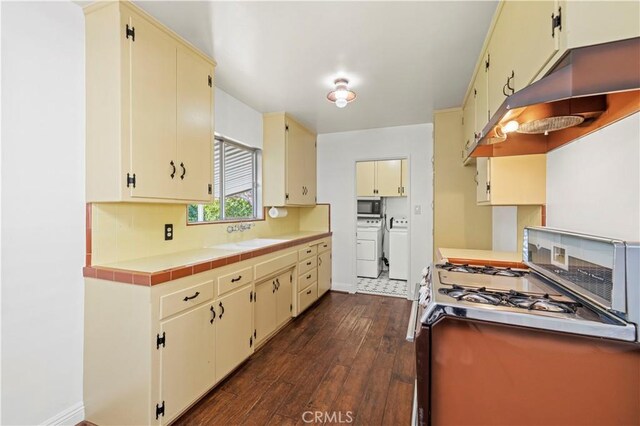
[(213, 315), (273, 283), (277, 283), (320, 261), (309, 292), (173, 173), (233, 280), (184, 170), (308, 263), (308, 251), (309, 276), (221, 313), (187, 298)]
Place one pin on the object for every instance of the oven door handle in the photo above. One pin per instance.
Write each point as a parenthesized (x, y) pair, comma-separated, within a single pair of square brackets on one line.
[(411, 328)]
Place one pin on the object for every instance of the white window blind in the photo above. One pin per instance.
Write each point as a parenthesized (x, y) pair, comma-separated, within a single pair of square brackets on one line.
[(239, 168)]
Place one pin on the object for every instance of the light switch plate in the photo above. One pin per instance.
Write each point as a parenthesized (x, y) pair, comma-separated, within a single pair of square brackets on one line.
[(417, 209)]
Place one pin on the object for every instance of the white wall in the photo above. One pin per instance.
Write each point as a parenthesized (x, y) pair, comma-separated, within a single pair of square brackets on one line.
[(505, 228), (337, 155), (43, 211), (593, 184), (236, 120)]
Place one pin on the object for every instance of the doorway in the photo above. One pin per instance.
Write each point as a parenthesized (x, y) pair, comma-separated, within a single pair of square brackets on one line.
[(382, 226)]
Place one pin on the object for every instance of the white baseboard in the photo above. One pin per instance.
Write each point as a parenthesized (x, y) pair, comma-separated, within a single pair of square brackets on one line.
[(71, 416), (344, 287)]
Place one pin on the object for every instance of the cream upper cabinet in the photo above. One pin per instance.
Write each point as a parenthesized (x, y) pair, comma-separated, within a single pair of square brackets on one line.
[(149, 110), (481, 93), (234, 331), (404, 182), (468, 124), (288, 161), (381, 178), (521, 44), (366, 178), (516, 180), (187, 359)]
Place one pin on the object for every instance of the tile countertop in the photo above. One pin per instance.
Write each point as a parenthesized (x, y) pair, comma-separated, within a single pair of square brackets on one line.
[(504, 259), (157, 269)]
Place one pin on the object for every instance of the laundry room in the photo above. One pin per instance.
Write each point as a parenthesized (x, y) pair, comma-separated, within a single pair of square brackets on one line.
[(382, 260)]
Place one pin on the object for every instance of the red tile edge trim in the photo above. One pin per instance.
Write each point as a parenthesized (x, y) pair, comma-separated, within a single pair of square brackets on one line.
[(147, 279), (481, 262)]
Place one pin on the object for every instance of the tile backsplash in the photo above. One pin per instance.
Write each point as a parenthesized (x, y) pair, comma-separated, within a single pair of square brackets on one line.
[(124, 231)]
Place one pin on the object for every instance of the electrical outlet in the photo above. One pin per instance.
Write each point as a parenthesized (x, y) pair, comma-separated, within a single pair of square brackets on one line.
[(168, 232)]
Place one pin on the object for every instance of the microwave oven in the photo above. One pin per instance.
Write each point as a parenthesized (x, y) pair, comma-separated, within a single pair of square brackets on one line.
[(369, 207)]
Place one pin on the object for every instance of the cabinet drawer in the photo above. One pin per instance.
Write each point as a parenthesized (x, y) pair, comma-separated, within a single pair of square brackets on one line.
[(307, 296), (307, 252), (236, 279), (179, 301), (270, 266), (307, 265), (307, 278), (324, 245)]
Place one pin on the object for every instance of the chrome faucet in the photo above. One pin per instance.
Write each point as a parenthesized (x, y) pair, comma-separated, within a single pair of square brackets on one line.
[(241, 227)]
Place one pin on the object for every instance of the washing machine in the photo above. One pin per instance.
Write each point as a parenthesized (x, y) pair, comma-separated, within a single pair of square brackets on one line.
[(399, 249), (369, 247)]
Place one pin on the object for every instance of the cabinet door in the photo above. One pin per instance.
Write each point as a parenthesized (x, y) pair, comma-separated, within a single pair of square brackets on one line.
[(153, 111), (187, 367), (296, 150), (530, 46), (265, 309), (195, 126), (234, 331), (500, 67), (310, 177), (324, 272), (468, 124), (365, 178), (481, 90), (284, 283), (482, 176), (405, 177), (389, 178)]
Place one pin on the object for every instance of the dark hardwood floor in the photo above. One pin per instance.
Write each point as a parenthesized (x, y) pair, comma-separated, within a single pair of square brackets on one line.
[(345, 358)]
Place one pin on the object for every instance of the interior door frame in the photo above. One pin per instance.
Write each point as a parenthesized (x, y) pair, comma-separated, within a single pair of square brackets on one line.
[(354, 248)]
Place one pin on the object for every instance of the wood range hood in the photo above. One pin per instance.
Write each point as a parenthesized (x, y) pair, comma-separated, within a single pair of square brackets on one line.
[(589, 88)]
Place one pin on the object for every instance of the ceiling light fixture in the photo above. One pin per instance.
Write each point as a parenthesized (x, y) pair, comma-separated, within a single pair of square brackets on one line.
[(341, 95)]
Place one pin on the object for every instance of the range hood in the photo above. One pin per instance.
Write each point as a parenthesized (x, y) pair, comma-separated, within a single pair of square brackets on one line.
[(589, 88)]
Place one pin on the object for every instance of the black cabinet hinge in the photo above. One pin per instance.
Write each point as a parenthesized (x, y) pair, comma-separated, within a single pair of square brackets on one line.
[(556, 22), (475, 93), (255, 334), (161, 340), (131, 180), (251, 341), (488, 187), (210, 189), (286, 127), (250, 296), (487, 63), (291, 308), (291, 278), (286, 196), (159, 410), (131, 32), (210, 81)]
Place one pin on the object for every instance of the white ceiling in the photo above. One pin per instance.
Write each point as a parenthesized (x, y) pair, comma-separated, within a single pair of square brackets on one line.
[(404, 59)]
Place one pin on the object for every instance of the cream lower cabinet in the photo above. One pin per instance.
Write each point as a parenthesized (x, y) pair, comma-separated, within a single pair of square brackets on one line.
[(149, 110), (187, 362), (234, 330), (324, 272), (273, 305), (516, 180)]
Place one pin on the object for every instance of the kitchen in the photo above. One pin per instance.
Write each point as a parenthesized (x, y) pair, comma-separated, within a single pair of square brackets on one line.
[(119, 253)]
